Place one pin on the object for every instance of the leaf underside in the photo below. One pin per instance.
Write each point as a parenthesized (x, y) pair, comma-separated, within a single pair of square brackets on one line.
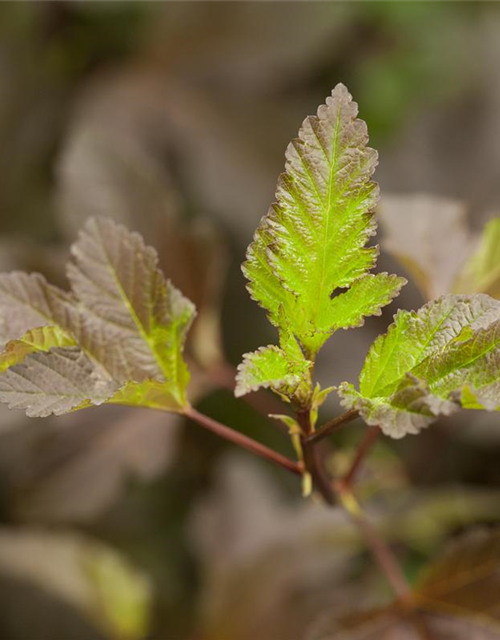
[(430, 363), (123, 323), (312, 241)]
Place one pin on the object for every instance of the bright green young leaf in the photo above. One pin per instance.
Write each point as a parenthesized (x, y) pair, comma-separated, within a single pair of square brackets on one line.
[(128, 323), (269, 367), (365, 297), (481, 273), (431, 362), (312, 241)]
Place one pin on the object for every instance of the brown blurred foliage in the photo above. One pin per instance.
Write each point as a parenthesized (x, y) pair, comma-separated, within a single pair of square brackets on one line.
[(173, 118)]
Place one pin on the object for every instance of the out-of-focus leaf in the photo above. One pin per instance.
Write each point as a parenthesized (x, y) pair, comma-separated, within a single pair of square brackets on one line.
[(91, 577), (119, 164), (430, 237), (429, 363), (383, 625), (482, 271), (414, 229), (254, 583), (79, 465), (465, 580), (280, 563), (423, 519), (458, 598)]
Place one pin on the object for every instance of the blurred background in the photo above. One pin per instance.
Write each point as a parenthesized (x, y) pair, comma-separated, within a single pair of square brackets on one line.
[(173, 118)]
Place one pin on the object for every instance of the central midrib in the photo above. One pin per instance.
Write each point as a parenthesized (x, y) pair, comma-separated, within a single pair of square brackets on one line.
[(333, 164)]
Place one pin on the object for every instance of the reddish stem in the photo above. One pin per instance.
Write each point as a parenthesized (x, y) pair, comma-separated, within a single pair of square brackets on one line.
[(261, 401), (243, 441), (364, 449), (333, 425)]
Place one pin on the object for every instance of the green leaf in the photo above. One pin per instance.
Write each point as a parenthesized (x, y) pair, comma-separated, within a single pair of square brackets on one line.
[(430, 362), (128, 323), (54, 383), (269, 367), (481, 274), (37, 339), (148, 393), (366, 297), (312, 241)]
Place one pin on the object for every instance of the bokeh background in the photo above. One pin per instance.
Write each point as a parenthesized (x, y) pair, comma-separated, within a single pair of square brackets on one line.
[(173, 118)]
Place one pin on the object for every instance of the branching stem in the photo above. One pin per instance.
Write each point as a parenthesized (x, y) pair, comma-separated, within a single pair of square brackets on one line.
[(243, 441), (330, 490), (261, 401), (332, 426), (313, 461)]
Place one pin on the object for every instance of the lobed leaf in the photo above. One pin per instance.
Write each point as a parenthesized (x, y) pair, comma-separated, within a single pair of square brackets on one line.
[(312, 241), (431, 362), (269, 367), (124, 323), (366, 297)]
